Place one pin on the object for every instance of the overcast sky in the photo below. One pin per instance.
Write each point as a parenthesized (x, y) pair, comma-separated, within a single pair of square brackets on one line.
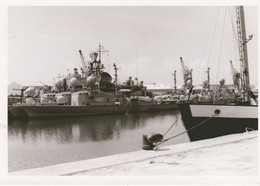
[(143, 41)]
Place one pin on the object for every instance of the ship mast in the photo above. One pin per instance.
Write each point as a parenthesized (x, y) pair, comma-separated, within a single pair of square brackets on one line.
[(208, 78), (100, 47), (115, 68), (242, 43), (175, 86)]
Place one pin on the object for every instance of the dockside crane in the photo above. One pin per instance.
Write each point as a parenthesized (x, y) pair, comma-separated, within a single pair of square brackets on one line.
[(243, 56), (206, 84), (187, 74), (235, 76), (84, 67)]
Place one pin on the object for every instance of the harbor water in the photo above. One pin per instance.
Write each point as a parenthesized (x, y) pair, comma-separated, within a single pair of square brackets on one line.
[(39, 143)]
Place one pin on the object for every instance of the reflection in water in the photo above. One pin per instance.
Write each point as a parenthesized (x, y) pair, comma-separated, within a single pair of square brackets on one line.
[(36, 143)]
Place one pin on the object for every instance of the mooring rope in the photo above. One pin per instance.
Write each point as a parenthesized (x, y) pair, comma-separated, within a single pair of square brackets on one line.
[(172, 125), (187, 130), (247, 129)]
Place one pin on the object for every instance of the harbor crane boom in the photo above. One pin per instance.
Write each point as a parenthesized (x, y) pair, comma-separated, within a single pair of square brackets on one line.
[(182, 66), (187, 74), (84, 66), (235, 75), (243, 56)]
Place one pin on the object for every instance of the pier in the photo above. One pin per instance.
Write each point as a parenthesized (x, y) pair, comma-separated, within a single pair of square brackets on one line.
[(227, 155)]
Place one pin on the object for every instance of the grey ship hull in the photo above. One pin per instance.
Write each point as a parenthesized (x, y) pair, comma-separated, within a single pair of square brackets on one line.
[(16, 112), (43, 111)]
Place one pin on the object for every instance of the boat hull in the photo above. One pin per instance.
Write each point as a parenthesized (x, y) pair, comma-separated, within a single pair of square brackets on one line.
[(41, 111), (231, 119), (16, 112)]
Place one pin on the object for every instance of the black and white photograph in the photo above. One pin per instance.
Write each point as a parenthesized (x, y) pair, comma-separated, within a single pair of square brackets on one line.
[(153, 93)]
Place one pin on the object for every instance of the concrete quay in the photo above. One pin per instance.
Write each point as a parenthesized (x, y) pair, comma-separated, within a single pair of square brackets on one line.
[(227, 155)]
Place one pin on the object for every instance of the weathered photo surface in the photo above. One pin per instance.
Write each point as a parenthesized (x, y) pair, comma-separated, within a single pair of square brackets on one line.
[(132, 90)]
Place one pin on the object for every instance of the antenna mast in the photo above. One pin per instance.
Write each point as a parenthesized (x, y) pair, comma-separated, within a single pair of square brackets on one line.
[(100, 47)]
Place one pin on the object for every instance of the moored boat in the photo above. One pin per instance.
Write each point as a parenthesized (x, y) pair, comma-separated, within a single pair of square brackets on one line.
[(41, 111), (93, 93), (16, 112), (203, 121), (231, 119)]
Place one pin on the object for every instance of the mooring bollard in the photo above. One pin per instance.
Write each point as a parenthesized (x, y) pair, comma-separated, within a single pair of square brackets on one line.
[(150, 139), (147, 145)]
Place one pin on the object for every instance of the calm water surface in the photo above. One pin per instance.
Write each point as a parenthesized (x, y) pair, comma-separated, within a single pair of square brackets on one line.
[(38, 143)]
